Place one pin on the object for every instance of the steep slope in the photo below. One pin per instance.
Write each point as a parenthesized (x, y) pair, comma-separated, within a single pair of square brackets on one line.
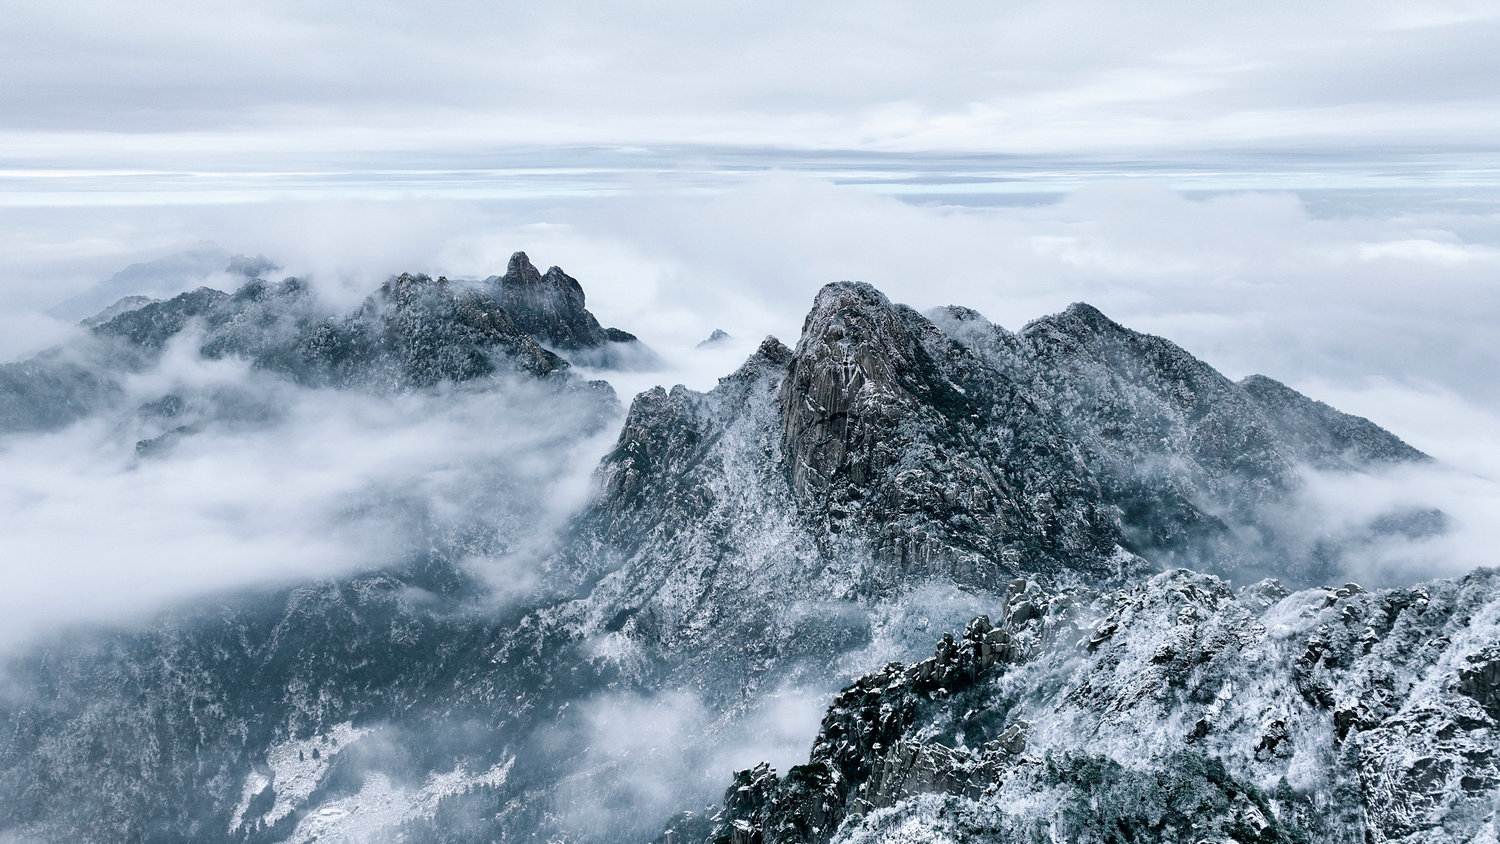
[(944, 464), (548, 307), (1175, 708), (949, 448), (1323, 436), (1204, 472)]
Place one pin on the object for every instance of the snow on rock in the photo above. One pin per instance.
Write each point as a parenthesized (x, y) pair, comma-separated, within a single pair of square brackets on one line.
[(296, 766), (373, 813), (1179, 707)]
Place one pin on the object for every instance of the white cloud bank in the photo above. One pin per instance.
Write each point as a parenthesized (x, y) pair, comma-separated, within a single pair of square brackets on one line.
[(1386, 307), (279, 484)]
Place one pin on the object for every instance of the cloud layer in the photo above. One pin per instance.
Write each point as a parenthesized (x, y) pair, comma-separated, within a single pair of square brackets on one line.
[(1382, 305), (1025, 77), (279, 484)]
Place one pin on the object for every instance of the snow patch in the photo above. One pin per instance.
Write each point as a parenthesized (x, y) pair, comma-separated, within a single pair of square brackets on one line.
[(297, 766), (380, 805)]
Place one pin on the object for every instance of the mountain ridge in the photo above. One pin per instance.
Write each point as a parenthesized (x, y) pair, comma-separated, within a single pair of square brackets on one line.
[(815, 514), (1139, 714)]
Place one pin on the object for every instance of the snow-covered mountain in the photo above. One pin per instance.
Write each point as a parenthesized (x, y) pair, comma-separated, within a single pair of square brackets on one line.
[(1179, 709), (824, 510)]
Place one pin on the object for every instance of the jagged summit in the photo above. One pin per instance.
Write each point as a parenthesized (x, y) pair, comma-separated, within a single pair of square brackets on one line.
[(718, 337), (520, 271), (771, 356), (413, 332), (550, 308), (946, 446), (895, 430)]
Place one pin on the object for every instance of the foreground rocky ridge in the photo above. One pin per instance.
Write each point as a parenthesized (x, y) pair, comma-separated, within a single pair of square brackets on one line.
[(808, 518), (1179, 709)]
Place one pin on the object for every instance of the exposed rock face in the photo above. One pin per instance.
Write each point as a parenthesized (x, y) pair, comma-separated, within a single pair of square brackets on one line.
[(417, 332), (1176, 708), (951, 448), (548, 307), (894, 429), (152, 325), (1194, 463), (724, 518), (413, 332)]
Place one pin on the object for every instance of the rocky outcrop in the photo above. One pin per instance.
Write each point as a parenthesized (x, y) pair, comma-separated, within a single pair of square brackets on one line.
[(895, 430), (417, 332), (414, 332), (549, 307), (1257, 715)]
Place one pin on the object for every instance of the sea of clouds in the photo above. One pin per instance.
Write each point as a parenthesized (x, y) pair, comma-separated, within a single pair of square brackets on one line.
[(1384, 306)]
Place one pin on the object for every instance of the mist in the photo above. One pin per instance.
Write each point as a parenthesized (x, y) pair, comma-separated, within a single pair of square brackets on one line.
[(257, 482), (1382, 309)]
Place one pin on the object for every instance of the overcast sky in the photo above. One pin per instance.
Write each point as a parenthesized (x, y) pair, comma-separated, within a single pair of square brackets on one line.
[(332, 86)]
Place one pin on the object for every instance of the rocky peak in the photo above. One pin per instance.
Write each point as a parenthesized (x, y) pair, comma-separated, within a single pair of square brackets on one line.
[(1085, 314), (404, 290), (846, 377), (1080, 324), (893, 429), (717, 338), (549, 307), (771, 357), (519, 271)]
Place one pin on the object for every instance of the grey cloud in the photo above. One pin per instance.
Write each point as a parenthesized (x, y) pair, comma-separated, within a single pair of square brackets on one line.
[(270, 79)]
